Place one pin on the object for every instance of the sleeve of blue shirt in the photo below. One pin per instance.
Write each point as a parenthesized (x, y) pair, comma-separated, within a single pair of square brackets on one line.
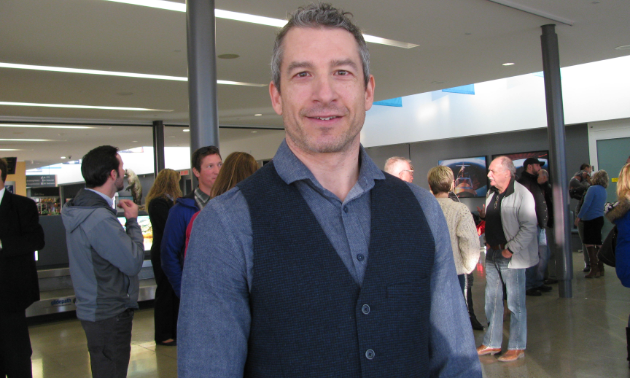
[(214, 316), (588, 201), (173, 242), (452, 345)]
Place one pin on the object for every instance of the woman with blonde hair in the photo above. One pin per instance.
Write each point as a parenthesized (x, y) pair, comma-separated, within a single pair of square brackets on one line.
[(620, 216), (237, 167), (161, 197), (592, 216), (461, 227)]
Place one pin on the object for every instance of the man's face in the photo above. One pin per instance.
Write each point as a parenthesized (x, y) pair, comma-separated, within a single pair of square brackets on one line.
[(120, 180), (535, 168), (210, 166), (588, 170), (406, 173), (322, 96), (498, 175)]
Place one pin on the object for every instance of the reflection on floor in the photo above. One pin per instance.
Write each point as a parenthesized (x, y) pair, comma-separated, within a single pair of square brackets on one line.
[(579, 337)]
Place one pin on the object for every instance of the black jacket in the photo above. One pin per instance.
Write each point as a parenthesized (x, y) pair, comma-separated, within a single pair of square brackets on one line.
[(21, 236), (531, 183)]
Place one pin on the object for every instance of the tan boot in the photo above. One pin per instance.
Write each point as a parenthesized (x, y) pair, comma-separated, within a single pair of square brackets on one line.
[(592, 255)]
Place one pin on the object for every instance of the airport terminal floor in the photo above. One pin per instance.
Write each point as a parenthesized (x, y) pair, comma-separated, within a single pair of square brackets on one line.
[(579, 337)]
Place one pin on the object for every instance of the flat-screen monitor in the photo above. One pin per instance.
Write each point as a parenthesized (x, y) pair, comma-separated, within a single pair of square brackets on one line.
[(469, 174), (147, 230)]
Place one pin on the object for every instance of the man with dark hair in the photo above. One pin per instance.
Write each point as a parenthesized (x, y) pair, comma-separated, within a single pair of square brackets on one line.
[(511, 247), (535, 275), (206, 163), (320, 264), (20, 236), (105, 260)]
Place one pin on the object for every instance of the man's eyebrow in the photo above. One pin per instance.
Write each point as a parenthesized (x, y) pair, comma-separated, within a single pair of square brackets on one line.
[(344, 62), (294, 65)]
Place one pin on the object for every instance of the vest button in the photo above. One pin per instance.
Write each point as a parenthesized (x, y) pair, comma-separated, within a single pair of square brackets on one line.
[(360, 257), (369, 354), (365, 309), (345, 209)]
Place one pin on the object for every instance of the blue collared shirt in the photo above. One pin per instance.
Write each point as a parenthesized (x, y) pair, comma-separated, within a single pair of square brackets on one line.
[(214, 318)]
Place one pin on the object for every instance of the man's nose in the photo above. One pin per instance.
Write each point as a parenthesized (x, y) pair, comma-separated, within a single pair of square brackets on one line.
[(324, 90)]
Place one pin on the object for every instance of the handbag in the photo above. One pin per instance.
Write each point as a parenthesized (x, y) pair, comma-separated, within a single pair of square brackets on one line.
[(606, 253)]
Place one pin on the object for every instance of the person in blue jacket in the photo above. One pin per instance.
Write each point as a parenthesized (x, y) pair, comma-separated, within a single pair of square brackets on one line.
[(592, 216), (620, 216), (206, 163)]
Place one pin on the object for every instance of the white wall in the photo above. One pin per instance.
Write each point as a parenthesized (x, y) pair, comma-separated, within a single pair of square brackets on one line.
[(591, 92)]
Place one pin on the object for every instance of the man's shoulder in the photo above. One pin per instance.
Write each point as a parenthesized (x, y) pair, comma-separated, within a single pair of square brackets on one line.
[(19, 200)]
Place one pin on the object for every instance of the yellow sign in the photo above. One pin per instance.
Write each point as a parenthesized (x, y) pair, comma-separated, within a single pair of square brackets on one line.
[(614, 179)]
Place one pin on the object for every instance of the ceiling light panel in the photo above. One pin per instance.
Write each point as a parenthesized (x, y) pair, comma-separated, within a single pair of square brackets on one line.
[(244, 17), (45, 126), (80, 106), (115, 73)]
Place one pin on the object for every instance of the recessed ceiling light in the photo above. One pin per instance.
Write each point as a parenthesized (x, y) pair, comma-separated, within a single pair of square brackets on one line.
[(134, 141), (254, 132), (29, 140), (115, 73), (63, 157), (186, 130), (508, 64), (79, 106), (258, 115), (228, 56), (237, 16), (624, 47), (45, 126), (9, 149)]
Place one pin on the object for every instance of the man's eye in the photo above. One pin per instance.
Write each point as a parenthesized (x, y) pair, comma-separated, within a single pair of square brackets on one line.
[(343, 73), (302, 74)]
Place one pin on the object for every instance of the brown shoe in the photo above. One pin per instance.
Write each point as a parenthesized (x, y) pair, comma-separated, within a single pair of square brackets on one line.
[(512, 355), (483, 350)]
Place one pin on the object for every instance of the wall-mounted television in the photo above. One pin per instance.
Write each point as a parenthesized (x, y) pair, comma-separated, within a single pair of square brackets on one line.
[(470, 175), (519, 158)]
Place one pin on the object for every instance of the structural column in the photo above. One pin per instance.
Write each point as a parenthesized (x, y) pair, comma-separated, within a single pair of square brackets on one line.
[(158, 146), (202, 74), (559, 180)]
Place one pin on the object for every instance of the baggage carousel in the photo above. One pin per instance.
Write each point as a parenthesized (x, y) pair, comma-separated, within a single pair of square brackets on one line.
[(57, 295)]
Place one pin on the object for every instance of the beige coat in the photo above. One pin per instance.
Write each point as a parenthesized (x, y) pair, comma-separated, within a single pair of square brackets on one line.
[(464, 238)]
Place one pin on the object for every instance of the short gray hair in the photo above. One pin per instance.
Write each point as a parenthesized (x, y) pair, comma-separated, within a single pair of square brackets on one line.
[(323, 16), (507, 163), (389, 164)]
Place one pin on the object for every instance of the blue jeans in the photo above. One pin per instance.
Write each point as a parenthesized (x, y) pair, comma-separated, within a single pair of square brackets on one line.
[(535, 275), (497, 272)]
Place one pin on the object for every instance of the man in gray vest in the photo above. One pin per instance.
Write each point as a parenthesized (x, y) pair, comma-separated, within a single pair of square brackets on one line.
[(320, 264)]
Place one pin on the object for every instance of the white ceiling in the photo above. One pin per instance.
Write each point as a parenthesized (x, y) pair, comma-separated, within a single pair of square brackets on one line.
[(460, 42)]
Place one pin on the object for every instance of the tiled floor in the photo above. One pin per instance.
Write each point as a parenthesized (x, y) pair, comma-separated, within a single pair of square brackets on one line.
[(579, 337)]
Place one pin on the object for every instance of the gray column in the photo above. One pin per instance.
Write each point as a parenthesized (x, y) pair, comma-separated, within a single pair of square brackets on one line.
[(559, 179), (158, 146), (202, 75)]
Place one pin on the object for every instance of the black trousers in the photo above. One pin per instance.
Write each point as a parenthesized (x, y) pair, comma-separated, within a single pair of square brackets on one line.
[(15, 345), (165, 305), (109, 344)]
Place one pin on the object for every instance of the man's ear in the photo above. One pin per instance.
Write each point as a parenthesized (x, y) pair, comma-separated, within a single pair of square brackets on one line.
[(276, 99), (196, 172)]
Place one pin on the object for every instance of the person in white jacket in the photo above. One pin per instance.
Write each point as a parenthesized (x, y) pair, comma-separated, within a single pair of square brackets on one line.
[(512, 247)]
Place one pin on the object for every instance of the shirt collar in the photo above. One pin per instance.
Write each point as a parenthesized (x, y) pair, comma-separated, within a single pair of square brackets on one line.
[(110, 201), (508, 191), (2, 193), (291, 169)]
